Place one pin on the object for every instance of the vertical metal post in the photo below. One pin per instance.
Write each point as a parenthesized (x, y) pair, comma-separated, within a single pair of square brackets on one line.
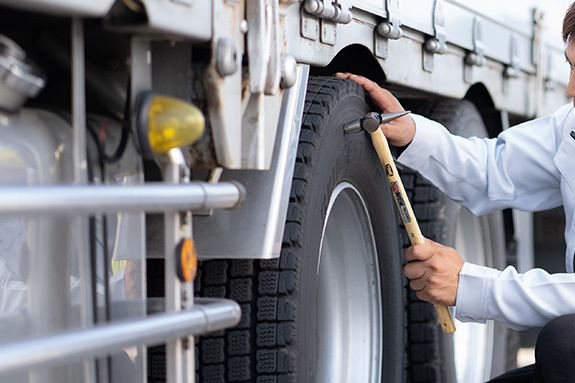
[(48, 286), (140, 80), (140, 67), (79, 103), (179, 353), (81, 177)]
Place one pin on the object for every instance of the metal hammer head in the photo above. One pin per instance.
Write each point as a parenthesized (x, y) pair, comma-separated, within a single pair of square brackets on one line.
[(372, 121)]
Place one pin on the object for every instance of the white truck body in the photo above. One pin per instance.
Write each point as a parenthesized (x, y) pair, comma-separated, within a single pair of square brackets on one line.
[(72, 229)]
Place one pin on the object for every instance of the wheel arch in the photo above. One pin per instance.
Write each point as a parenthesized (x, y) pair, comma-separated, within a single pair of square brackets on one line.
[(356, 59), (479, 95)]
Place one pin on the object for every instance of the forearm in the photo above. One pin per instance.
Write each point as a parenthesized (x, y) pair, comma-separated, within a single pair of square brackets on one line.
[(519, 301), (486, 174)]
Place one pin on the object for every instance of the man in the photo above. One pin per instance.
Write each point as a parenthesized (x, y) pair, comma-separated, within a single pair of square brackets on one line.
[(528, 167)]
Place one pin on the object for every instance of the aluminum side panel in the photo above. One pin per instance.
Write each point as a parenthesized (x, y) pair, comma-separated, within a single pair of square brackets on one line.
[(255, 229)]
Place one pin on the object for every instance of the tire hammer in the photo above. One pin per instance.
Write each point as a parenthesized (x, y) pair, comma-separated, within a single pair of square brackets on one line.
[(371, 123)]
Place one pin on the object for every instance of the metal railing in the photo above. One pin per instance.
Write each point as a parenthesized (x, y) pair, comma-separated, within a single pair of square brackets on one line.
[(206, 315), (91, 199)]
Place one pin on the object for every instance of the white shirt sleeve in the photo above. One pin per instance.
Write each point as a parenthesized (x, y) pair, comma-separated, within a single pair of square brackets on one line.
[(515, 169), (519, 301)]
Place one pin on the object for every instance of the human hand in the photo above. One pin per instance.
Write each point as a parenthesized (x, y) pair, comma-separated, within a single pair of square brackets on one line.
[(433, 270), (399, 132)]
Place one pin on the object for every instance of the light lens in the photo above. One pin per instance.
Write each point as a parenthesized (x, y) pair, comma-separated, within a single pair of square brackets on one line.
[(187, 260), (173, 123)]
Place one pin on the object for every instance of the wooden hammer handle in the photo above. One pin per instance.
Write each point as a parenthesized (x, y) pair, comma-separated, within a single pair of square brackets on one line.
[(406, 212)]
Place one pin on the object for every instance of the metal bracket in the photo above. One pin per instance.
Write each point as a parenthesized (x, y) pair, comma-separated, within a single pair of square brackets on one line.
[(274, 67), (537, 41), (264, 65), (513, 69), (381, 46), (345, 8), (338, 11), (225, 111), (549, 83), (476, 57), (438, 43), (328, 32), (309, 25), (389, 29)]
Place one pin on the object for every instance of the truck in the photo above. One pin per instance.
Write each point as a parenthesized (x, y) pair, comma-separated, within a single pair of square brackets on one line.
[(179, 201)]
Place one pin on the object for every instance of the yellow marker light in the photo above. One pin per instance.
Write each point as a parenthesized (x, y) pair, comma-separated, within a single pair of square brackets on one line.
[(164, 123), (186, 260)]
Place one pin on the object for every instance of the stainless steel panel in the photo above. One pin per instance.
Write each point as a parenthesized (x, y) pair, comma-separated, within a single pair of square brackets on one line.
[(261, 218)]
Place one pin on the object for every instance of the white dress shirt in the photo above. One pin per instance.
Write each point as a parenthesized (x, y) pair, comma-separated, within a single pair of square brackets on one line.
[(528, 167)]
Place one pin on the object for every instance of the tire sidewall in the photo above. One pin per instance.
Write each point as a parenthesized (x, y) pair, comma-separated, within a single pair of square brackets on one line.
[(466, 121)]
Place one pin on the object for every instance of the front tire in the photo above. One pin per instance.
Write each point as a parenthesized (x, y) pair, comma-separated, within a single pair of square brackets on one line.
[(331, 308)]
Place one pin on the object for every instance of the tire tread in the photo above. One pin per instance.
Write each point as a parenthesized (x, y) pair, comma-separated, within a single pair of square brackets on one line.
[(261, 351)]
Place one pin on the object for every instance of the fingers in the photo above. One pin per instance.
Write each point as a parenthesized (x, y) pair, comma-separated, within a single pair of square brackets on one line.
[(417, 285), (367, 84), (399, 132), (382, 98), (433, 270), (420, 252)]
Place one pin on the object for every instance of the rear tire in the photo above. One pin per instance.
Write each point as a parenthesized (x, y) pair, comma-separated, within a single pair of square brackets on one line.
[(475, 352), (331, 308)]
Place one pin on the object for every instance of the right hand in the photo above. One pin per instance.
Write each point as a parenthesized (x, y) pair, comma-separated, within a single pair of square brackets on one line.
[(399, 132), (433, 271)]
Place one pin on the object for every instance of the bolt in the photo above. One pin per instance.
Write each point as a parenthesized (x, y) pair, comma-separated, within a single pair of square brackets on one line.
[(226, 62), (244, 26), (288, 71), (313, 7), (384, 29)]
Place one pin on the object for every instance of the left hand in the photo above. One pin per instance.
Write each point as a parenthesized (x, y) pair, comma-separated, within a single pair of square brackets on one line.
[(399, 132), (433, 270)]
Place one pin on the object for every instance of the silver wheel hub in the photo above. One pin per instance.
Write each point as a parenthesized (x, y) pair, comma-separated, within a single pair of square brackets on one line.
[(349, 312)]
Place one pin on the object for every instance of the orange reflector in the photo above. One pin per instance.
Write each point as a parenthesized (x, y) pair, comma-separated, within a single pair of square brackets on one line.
[(187, 260)]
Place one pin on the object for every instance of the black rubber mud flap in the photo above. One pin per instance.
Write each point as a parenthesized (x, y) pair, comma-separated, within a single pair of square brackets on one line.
[(276, 340)]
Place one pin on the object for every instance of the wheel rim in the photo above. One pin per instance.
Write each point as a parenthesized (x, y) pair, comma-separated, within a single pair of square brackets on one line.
[(348, 298), (473, 342)]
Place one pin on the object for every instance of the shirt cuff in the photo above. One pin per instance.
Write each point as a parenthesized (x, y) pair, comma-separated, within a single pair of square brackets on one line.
[(473, 292), (418, 151)]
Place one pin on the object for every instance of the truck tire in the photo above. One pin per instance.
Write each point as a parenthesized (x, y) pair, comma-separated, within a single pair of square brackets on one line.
[(331, 308), (475, 352)]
